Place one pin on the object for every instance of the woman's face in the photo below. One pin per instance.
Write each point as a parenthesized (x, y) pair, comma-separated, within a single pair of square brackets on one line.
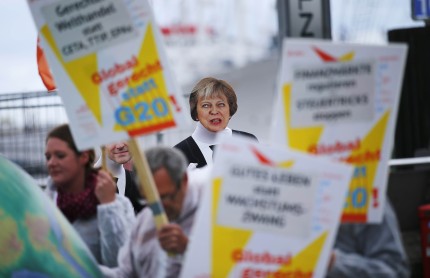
[(213, 113), (64, 165)]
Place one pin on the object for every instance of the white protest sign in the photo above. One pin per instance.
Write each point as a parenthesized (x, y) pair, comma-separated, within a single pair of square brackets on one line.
[(336, 92), (273, 213), (267, 199), (110, 68), (340, 100), (76, 26)]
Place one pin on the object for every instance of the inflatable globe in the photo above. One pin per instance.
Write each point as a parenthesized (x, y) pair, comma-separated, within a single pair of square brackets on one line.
[(35, 238)]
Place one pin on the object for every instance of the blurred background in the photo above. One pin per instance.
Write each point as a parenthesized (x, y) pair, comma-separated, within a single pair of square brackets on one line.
[(235, 40), (238, 41)]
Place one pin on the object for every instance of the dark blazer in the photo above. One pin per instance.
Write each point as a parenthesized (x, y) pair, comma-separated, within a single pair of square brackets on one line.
[(192, 152), (132, 192)]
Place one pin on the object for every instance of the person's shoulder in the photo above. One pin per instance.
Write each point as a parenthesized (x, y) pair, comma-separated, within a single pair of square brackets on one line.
[(191, 150), (121, 199), (199, 176), (244, 133), (198, 180), (124, 202), (145, 221), (145, 214), (181, 145)]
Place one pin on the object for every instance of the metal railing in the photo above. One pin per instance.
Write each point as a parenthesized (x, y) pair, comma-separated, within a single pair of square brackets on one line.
[(25, 119)]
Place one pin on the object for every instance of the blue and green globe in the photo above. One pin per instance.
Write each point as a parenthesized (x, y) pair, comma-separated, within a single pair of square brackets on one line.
[(35, 238)]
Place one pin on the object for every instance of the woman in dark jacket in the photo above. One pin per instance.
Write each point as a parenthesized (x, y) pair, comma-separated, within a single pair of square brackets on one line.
[(212, 104)]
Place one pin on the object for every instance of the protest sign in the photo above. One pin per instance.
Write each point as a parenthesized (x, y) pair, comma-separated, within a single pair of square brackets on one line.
[(269, 212), (340, 100), (110, 68), (112, 74)]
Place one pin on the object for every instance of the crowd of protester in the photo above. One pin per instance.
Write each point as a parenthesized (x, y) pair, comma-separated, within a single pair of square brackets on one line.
[(109, 212)]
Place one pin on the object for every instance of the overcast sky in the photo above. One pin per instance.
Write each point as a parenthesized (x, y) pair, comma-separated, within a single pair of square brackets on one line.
[(18, 69)]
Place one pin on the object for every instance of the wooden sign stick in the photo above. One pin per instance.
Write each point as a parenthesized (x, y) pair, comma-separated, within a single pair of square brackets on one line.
[(104, 163), (147, 185)]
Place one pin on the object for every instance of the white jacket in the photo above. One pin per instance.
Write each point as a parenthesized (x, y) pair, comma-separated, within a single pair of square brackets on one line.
[(107, 231)]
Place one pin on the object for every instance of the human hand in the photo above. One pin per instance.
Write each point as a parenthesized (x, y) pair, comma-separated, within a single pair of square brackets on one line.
[(105, 187), (172, 238)]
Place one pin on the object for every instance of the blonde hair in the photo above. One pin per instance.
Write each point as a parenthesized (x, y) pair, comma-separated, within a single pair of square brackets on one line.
[(211, 87)]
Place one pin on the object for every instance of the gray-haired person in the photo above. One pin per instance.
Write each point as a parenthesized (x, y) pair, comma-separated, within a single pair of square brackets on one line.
[(145, 253)]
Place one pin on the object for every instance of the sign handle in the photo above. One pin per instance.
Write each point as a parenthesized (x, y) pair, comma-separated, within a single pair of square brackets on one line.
[(147, 185), (104, 163)]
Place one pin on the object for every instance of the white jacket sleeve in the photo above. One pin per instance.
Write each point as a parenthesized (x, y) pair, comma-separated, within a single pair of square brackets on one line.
[(124, 268), (140, 256), (114, 223)]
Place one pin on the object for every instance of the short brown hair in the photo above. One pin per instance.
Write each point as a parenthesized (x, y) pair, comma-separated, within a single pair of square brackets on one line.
[(211, 87), (64, 133)]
